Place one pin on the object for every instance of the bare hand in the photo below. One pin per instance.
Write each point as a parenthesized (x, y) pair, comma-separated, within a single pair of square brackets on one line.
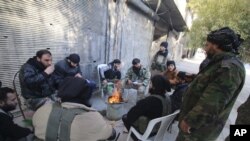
[(130, 82), (104, 81), (78, 75), (49, 69), (138, 84), (185, 127)]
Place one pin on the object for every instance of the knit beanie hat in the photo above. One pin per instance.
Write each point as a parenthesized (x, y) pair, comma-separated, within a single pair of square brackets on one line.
[(135, 61), (170, 62), (226, 39), (75, 58), (116, 61)]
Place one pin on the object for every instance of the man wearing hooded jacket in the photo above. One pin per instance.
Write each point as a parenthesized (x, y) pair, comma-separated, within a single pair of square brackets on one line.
[(72, 92), (38, 83)]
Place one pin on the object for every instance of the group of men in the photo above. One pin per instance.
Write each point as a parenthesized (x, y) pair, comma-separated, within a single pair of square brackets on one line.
[(42, 82), (137, 77), (205, 108), (39, 78)]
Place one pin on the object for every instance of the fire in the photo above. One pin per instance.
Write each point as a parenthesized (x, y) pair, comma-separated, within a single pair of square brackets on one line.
[(116, 97)]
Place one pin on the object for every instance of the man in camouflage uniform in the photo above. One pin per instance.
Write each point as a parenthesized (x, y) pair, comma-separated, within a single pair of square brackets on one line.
[(137, 77), (160, 58), (211, 95)]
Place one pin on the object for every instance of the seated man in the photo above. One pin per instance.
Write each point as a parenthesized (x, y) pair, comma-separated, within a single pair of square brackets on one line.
[(171, 73), (69, 67), (110, 75), (156, 105), (37, 81), (9, 131), (137, 77), (111, 72), (78, 122)]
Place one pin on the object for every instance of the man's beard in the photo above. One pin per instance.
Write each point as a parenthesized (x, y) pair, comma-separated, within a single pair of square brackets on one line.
[(8, 108), (72, 66), (136, 70), (115, 68), (151, 91), (210, 55)]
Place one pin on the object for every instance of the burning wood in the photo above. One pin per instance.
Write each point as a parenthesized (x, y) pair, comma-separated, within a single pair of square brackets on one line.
[(116, 97)]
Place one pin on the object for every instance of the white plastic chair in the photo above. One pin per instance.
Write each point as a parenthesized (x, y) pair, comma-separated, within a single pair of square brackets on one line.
[(99, 78), (165, 123)]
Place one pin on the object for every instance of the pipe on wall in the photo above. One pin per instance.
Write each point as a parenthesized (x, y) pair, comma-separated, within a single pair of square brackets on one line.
[(141, 7)]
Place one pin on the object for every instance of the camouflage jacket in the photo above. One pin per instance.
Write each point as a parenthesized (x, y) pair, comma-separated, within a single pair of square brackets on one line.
[(211, 95), (143, 77), (159, 62)]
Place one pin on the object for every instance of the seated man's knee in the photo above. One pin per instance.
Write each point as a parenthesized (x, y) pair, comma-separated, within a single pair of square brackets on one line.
[(141, 89)]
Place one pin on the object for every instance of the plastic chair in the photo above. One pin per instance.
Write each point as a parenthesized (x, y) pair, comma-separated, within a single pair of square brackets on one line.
[(165, 123), (99, 78), (17, 95)]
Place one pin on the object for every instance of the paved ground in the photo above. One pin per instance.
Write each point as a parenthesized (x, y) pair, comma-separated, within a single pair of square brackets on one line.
[(183, 65)]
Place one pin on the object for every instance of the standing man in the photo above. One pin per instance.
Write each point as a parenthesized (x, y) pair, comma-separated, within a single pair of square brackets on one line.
[(160, 58), (211, 95), (38, 84), (137, 77), (9, 131)]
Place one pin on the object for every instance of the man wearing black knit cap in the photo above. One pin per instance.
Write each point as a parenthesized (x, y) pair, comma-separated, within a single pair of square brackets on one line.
[(210, 97), (160, 59), (68, 67), (111, 72), (137, 77)]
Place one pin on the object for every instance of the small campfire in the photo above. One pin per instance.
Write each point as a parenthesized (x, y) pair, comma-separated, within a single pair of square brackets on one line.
[(115, 104), (116, 97)]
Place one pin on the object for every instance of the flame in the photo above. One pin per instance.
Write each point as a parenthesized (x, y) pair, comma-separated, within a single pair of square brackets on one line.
[(116, 97)]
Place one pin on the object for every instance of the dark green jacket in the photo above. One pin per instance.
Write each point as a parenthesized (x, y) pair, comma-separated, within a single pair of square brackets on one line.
[(211, 95)]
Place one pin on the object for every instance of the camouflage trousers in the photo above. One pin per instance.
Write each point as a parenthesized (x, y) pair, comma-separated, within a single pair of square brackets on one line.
[(140, 90), (209, 133)]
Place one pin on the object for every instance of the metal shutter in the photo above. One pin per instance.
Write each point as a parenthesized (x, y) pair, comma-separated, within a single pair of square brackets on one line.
[(64, 26)]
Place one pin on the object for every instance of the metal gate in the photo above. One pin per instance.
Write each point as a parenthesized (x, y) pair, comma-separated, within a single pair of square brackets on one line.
[(63, 26)]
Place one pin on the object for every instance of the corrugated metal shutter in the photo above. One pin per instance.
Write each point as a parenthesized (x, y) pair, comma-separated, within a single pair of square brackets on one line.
[(64, 26), (133, 35)]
